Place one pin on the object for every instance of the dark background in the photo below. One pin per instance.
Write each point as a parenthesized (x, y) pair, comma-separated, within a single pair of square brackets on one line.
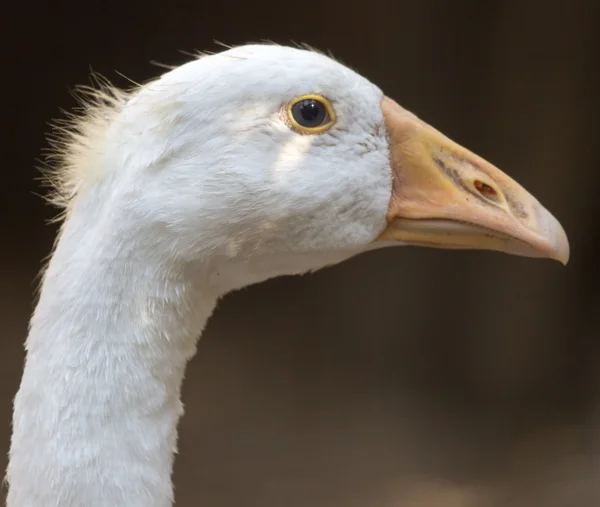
[(402, 378)]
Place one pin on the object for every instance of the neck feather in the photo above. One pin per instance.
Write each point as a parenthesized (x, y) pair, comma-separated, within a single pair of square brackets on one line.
[(95, 418)]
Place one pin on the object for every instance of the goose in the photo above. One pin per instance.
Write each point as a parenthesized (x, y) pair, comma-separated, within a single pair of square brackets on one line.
[(236, 167)]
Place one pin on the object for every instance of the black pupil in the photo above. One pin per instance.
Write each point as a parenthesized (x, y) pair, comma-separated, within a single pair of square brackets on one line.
[(309, 113)]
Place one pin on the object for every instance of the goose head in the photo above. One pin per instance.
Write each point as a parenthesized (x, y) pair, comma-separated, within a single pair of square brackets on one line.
[(257, 162), (266, 160)]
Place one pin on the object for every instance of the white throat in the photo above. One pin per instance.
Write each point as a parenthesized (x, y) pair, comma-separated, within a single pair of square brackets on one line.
[(95, 419)]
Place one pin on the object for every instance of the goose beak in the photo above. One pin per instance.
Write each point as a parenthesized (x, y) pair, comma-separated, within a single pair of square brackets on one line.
[(444, 196)]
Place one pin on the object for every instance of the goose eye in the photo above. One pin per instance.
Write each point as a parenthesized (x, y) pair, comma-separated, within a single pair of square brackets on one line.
[(311, 114)]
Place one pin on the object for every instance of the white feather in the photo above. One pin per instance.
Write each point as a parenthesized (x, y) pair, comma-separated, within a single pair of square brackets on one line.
[(176, 193)]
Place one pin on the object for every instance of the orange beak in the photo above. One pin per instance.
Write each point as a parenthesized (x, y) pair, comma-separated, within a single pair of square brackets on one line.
[(444, 196)]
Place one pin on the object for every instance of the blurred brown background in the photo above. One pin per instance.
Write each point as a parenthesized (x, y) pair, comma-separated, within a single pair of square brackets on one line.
[(403, 378)]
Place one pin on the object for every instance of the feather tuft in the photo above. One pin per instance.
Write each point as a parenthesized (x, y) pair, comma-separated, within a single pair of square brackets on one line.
[(75, 140)]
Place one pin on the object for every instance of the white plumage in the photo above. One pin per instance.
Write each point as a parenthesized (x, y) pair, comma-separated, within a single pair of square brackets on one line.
[(197, 184)]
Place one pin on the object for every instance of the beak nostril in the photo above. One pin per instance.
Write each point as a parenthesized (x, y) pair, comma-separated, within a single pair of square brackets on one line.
[(486, 190)]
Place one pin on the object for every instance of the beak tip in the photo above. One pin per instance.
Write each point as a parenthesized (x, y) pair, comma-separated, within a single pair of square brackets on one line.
[(563, 255), (559, 243), (562, 258)]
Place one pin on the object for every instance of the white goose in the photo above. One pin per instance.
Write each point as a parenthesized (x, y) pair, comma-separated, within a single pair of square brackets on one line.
[(234, 168)]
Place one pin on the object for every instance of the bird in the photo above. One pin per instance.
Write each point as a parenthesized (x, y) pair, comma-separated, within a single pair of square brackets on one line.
[(254, 162)]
